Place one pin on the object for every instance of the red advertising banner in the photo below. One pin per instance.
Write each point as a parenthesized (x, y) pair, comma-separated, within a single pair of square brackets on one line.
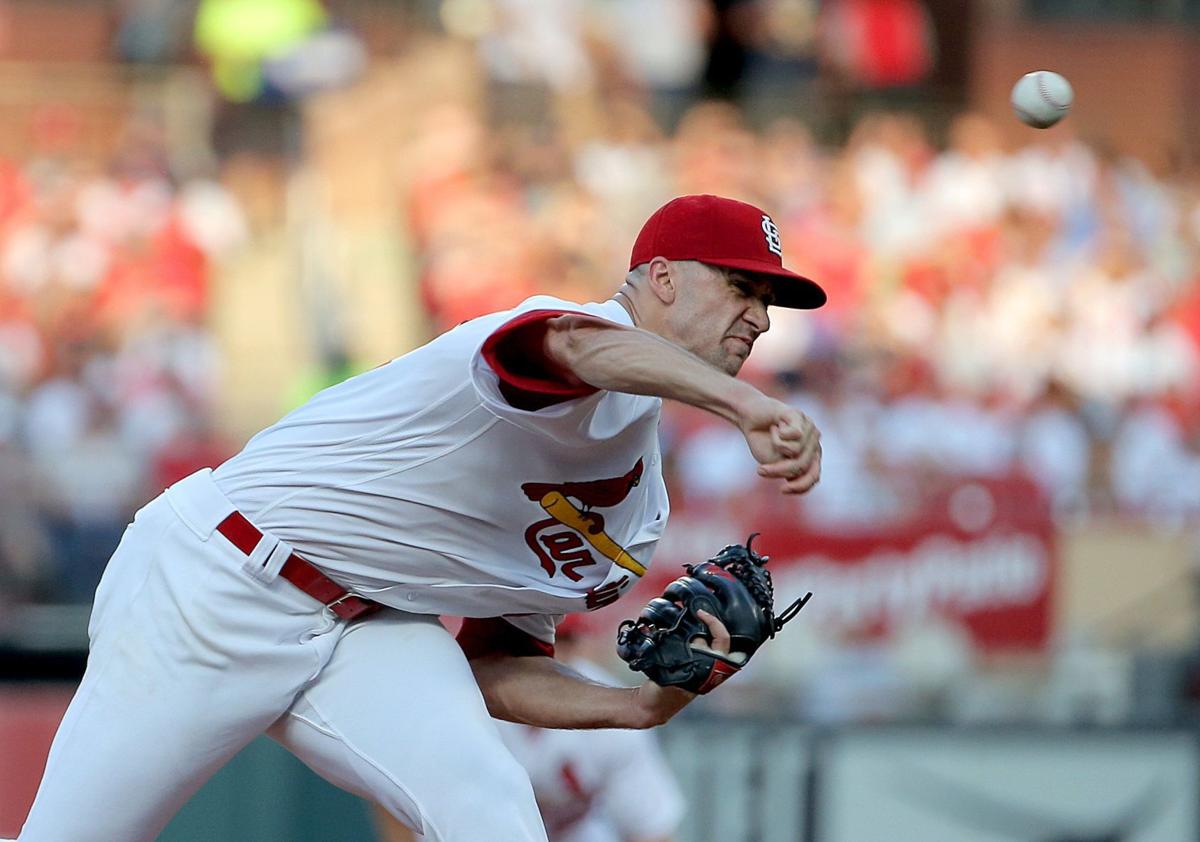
[(979, 553)]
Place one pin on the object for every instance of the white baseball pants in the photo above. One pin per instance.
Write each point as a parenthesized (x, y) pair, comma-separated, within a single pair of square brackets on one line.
[(196, 649)]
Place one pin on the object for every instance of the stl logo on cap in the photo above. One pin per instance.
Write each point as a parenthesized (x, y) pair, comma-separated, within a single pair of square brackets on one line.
[(727, 233), (774, 243)]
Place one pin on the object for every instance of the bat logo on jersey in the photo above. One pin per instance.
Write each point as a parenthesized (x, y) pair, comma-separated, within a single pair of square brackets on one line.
[(566, 550)]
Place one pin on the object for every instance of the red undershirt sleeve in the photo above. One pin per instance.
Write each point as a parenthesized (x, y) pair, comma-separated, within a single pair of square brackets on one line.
[(494, 636), (528, 379)]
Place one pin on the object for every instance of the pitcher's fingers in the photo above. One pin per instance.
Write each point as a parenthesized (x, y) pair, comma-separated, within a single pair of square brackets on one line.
[(783, 445), (720, 634), (799, 428), (812, 450), (795, 430), (783, 469), (791, 468), (805, 482)]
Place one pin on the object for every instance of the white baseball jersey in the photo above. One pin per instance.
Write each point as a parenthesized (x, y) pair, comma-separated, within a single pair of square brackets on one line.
[(420, 486), (597, 786)]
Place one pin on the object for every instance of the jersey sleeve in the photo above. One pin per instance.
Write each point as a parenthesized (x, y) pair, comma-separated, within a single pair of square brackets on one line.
[(515, 381), (526, 378), (520, 635)]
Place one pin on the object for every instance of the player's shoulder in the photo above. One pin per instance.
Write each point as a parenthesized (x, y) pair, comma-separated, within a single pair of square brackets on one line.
[(611, 310)]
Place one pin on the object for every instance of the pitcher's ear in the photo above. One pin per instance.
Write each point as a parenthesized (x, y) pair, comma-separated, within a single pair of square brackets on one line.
[(663, 279)]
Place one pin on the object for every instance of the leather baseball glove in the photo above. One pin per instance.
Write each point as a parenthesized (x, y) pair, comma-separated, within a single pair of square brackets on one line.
[(735, 587)]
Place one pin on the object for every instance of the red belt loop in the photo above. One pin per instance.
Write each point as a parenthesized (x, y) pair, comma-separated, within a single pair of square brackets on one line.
[(300, 572)]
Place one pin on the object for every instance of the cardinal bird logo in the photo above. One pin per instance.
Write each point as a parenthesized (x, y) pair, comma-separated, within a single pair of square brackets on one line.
[(572, 505)]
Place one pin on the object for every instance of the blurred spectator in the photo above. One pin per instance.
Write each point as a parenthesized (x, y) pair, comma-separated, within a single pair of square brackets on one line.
[(92, 485), (538, 43), (238, 36), (667, 67), (857, 680), (1155, 466), (1054, 448), (879, 43), (26, 556), (264, 56), (153, 31), (623, 166), (714, 151), (964, 186), (108, 374), (730, 40)]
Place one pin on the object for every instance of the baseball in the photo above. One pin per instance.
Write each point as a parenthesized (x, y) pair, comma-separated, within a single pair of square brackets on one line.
[(1042, 98)]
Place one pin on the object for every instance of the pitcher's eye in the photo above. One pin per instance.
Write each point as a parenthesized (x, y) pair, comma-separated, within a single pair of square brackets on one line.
[(748, 290)]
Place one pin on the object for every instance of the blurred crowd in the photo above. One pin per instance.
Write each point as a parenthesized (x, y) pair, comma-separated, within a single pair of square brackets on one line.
[(108, 371), (991, 311), (996, 314)]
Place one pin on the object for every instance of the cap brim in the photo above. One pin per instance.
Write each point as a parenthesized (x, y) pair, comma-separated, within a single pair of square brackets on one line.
[(791, 290)]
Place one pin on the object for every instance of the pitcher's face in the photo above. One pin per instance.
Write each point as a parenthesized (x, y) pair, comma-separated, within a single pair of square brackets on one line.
[(719, 313)]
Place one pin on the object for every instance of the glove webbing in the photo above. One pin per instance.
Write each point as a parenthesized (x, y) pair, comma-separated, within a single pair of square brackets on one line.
[(761, 587)]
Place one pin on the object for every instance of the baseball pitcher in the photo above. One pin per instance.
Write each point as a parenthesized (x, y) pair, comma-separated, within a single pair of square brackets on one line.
[(507, 472)]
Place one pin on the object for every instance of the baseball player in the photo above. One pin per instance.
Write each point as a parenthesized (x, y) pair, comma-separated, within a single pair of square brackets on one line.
[(507, 472)]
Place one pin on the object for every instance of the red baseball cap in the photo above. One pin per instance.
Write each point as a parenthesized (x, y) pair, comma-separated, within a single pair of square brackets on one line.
[(728, 233)]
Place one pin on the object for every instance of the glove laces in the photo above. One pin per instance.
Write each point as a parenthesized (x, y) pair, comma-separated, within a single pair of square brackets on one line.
[(791, 611), (754, 574)]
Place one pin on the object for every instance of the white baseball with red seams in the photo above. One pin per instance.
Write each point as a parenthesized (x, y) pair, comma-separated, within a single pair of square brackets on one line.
[(1042, 98), (416, 485)]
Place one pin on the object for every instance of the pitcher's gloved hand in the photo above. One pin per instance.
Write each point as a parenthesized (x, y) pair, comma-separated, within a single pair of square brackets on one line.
[(671, 644)]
